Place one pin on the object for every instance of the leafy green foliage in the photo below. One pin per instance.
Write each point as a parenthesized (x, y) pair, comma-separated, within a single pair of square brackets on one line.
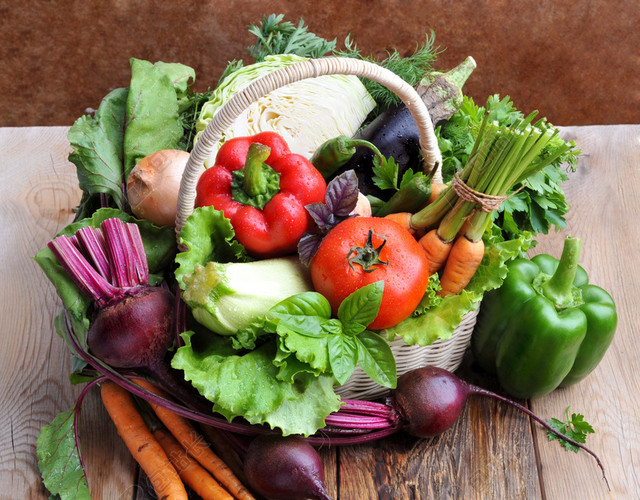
[(534, 206), (279, 371), (188, 116), (156, 94), (574, 427), (437, 317), (411, 68), (157, 111), (276, 36), (386, 173), (59, 461), (97, 152), (246, 384)]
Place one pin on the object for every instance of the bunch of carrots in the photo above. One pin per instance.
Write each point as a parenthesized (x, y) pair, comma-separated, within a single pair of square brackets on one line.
[(169, 449), (450, 228)]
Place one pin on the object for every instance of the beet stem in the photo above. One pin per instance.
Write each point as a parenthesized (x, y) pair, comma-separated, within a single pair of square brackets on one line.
[(80, 271), (92, 242), (356, 421), (123, 268), (473, 389), (138, 253), (319, 440), (366, 407), (76, 417)]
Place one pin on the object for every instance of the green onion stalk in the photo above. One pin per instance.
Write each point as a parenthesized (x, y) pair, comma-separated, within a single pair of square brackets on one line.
[(501, 158)]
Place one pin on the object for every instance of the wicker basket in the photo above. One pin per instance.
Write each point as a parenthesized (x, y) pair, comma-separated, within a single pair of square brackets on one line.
[(446, 354)]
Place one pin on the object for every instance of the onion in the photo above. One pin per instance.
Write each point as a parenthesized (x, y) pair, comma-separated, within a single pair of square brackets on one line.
[(153, 184)]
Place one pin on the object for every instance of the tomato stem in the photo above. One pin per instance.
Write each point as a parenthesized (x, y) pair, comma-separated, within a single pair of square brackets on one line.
[(367, 256)]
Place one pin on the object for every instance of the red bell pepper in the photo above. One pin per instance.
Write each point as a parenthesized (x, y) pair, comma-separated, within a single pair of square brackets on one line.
[(262, 188)]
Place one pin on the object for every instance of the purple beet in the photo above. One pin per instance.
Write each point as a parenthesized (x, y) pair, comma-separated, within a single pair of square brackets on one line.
[(431, 400), (284, 468), (134, 332), (132, 326)]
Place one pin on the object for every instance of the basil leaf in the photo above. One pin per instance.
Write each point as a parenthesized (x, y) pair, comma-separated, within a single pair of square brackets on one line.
[(342, 194), (343, 356), (321, 215), (360, 308), (304, 313), (376, 359)]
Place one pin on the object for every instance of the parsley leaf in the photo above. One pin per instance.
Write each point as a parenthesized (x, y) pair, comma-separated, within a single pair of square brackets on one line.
[(575, 427), (385, 173)]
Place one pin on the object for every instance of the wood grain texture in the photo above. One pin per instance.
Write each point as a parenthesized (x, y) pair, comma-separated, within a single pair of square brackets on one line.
[(604, 194), (38, 190), (491, 452)]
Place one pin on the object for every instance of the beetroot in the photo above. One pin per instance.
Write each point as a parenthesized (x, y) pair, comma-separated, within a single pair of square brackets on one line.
[(134, 332), (282, 468), (426, 402), (132, 327), (431, 400)]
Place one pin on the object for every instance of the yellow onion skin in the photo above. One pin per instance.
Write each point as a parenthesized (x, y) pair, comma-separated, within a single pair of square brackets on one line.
[(153, 184)]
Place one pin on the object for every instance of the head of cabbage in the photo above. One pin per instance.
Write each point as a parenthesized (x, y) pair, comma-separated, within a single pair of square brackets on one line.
[(304, 113)]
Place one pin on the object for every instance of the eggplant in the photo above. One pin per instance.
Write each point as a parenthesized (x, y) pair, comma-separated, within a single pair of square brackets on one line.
[(395, 133)]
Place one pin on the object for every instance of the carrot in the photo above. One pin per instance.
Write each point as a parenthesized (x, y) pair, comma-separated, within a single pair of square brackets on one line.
[(436, 248), (464, 259), (436, 189), (193, 474), (196, 446), (140, 441), (402, 218)]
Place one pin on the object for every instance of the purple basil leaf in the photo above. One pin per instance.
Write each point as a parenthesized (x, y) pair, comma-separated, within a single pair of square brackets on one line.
[(342, 194), (308, 246), (321, 215)]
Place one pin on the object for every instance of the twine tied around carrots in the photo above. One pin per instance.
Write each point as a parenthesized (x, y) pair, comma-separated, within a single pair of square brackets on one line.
[(488, 203)]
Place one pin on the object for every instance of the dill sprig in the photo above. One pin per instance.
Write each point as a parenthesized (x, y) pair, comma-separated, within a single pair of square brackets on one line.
[(411, 68), (275, 36)]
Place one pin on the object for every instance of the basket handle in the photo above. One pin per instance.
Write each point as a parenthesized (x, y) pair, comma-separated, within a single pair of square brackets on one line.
[(310, 68)]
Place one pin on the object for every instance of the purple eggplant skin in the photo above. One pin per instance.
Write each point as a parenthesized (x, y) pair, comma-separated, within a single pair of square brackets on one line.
[(395, 133)]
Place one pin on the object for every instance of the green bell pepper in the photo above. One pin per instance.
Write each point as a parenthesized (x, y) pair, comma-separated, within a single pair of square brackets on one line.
[(546, 326)]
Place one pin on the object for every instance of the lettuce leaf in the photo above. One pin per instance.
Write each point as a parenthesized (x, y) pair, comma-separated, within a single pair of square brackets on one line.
[(436, 317), (246, 385), (208, 236)]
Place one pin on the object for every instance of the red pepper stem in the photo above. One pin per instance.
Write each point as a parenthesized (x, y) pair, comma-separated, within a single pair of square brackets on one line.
[(255, 176), (559, 288)]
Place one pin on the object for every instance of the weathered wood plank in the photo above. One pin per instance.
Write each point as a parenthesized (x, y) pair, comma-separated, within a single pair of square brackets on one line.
[(605, 198), (467, 461), (38, 189)]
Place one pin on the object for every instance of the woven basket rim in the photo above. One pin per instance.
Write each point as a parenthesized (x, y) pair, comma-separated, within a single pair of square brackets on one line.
[(310, 68)]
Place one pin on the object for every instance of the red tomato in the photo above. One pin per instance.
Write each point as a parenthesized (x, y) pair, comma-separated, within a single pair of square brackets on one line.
[(336, 274)]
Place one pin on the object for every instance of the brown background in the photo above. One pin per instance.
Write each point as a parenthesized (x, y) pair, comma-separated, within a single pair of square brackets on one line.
[(577, 62)]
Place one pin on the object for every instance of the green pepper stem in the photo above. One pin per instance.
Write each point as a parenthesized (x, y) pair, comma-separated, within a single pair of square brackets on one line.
[(558, 288), (255, 176)]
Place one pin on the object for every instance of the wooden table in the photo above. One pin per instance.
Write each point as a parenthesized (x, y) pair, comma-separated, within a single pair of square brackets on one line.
[(491, 452)]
